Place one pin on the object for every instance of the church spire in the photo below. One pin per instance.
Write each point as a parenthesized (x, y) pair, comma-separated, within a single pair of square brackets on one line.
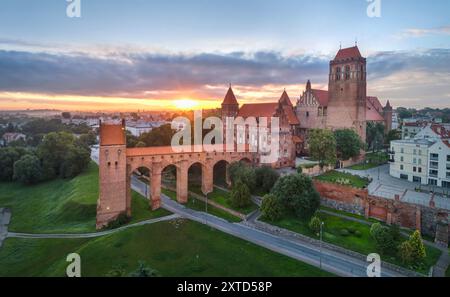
[(308, 85)]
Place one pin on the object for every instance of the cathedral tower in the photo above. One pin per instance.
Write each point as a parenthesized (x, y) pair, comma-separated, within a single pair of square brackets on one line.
[(347, 92)]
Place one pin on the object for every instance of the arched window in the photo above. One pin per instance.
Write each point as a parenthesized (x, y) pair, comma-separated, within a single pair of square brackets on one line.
[(338, 73), (347, 72)]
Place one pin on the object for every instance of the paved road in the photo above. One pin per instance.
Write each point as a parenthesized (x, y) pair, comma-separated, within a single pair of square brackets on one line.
[(333, 262), (91, 235)]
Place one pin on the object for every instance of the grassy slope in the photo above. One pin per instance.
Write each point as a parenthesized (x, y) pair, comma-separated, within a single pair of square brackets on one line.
[(198, 205), (61, 205), (363, 244), (159, 246), (221, 197)]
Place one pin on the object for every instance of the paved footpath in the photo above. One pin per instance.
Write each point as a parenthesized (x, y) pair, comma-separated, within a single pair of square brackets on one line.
[(5, 217), (94, 234)]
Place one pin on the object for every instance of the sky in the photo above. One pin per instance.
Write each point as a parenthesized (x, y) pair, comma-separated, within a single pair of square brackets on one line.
[(144, 54)]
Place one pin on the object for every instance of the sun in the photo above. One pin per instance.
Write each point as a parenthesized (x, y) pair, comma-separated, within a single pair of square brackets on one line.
[(185, 103)]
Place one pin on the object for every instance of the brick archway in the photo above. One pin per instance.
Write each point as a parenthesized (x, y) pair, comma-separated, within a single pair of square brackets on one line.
[(117, 165)]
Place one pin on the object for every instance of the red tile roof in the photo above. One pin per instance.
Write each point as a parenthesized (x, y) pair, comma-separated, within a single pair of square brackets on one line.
[(372, 115), (290, 114), (321, 96), (284, 99), (168, 150), (230, 99), (440, 130), (112, 134), (258, 110), (347, 53), (296, 139), (374, 102)]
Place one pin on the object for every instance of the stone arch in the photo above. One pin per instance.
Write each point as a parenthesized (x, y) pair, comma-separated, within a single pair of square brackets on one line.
[(220, 172)]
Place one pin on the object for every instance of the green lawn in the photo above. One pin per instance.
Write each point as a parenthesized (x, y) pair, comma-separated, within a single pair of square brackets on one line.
[(363, 243), (348, 214), (221, 197), (336, 176), (198, 205), (62, 205), (176, 248), (372, 160), (365, 166)]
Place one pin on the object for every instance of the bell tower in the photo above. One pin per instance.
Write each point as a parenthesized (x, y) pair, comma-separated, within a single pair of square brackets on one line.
[(113, 197), (347, 91)]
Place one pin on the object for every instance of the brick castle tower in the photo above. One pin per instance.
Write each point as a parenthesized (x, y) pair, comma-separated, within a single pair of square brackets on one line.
[(347, 91), (112, 174), (230, 108), (387, 115)]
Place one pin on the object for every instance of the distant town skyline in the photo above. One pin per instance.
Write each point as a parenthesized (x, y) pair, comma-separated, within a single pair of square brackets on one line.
[(167, 55)]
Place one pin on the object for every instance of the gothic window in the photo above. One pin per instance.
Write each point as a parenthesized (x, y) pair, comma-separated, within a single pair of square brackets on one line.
[(338, 73), (325, 111), (347, 72), (307, 114)]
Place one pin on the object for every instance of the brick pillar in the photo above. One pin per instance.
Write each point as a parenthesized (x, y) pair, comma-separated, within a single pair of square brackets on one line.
[(155, 186), (227, 175), (207, 179), (182, 182), (367, 210), (418, 219)]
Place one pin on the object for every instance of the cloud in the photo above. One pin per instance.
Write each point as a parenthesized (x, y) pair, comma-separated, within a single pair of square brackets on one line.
[(260, 75), (420, 32)]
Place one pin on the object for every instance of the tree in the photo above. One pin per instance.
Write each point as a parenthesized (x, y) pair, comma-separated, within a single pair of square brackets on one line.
[(131, 139), (141, 144), (8, 156), (88, 139), (240, 195), (297, 194), (383, 238), (393, 135), (161, 136), (28, 169), (417, 246), (322, 146), (62, 155), (348, 143), (66, 115), (266, 177), (271, 208), (375, 136), (314, 224), (240, 171)]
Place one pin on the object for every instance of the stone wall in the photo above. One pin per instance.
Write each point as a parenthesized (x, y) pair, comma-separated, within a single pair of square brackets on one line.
[(429, 220)]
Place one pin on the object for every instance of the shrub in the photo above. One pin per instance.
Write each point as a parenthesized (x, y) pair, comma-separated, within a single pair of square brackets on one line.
[(271, 208), (297, 194), (395, 232), (358, 233), (299, 169), (383, 238), (314, 224), (405, 252), (246, 174), (344, 232)]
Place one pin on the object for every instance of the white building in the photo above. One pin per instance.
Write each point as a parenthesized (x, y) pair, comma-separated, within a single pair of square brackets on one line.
[(138, 128), (395, 121), (424, 159)]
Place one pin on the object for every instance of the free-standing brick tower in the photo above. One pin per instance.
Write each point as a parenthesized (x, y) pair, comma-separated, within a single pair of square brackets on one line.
[(112, 174)]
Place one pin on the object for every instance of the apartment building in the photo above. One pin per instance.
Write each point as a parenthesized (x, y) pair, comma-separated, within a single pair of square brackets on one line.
[(424, 159)]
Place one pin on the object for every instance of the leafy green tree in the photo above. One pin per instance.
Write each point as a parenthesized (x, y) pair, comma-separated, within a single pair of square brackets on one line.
[(322, 146), (62, 155), (28, 169), (297, 195), (418, 249), (299, 169), (240, 195), (314, 224), (348, 143), (141, 144), (383, 238), (89, 138), (266, 177), (144, 271), (8, 156), (243, 172), (131, 139), (161, 136), (393, 135), (271, 208)]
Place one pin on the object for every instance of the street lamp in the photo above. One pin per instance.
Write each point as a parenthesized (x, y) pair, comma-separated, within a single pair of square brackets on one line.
[(321, 234)]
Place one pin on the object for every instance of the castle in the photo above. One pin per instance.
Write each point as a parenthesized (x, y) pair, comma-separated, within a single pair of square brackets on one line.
[(344, 105)]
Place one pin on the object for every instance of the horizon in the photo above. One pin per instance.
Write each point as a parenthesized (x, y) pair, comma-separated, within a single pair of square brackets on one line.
[(161, 58)]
